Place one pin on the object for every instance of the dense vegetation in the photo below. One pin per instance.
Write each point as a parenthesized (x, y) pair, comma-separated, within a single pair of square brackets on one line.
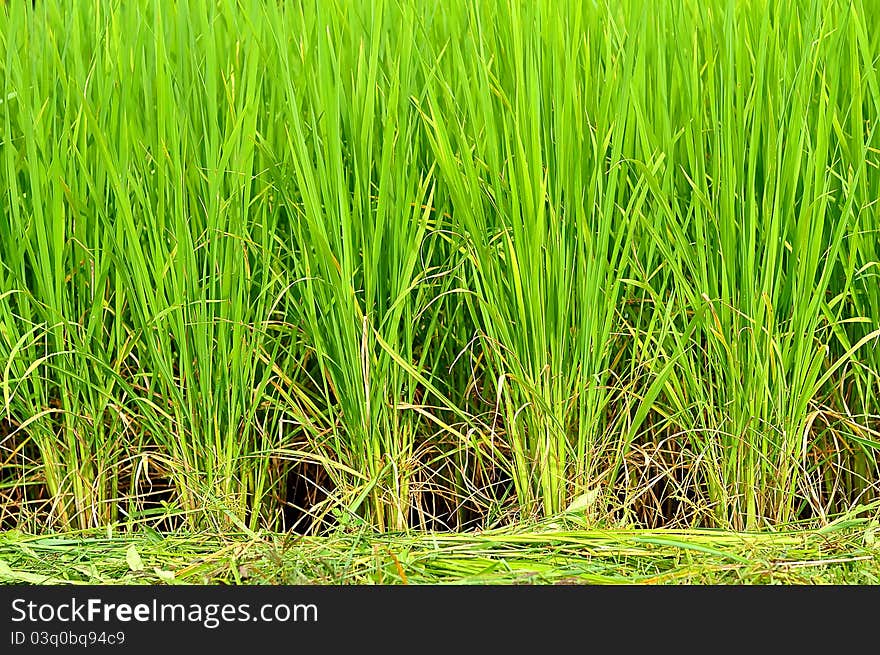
[(412, 263)]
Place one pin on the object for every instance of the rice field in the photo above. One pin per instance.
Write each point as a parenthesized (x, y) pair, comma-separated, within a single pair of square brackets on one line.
[(389, 272)]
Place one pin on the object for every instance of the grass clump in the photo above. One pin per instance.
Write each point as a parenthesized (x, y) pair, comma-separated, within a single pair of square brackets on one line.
[(390, 265)]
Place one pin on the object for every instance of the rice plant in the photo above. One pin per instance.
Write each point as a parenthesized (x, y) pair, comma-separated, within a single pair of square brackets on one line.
[(410, 264)]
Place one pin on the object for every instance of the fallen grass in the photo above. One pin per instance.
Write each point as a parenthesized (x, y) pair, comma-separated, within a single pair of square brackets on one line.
[(846, 552)]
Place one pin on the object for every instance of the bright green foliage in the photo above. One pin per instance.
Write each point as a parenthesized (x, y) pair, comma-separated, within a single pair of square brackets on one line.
[(408, 263)]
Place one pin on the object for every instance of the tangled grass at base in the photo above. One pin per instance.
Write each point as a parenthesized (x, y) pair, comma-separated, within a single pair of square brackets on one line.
[(843, 552), (391, 264)]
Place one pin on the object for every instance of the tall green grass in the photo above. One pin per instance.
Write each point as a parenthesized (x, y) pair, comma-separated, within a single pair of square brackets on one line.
[(412, 264)]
